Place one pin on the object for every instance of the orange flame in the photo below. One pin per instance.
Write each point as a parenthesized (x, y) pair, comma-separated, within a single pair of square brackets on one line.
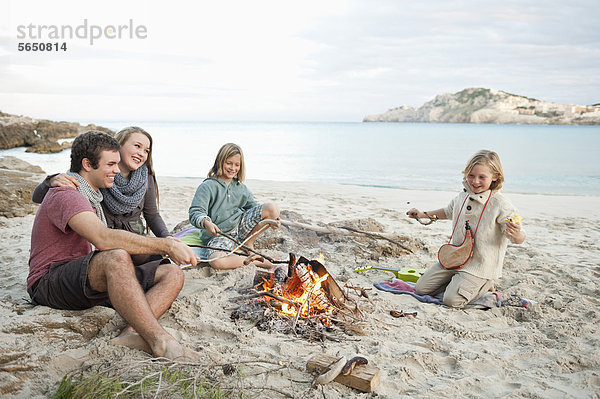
[(303, 300)]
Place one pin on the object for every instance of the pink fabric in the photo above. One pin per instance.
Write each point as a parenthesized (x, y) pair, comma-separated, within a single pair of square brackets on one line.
[(489, 300), (52, 240), (398, 286)]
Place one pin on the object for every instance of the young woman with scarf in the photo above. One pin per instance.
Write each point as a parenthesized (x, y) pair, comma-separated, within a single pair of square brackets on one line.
[(134, 193)]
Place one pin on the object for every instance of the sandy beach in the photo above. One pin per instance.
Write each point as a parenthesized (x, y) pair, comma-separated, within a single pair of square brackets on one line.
[(547, 350)]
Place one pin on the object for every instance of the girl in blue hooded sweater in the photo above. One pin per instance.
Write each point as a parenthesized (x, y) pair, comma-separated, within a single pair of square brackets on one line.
[(223, 203)]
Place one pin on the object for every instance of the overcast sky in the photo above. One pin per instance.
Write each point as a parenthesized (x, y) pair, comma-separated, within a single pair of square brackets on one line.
[(293, 61)]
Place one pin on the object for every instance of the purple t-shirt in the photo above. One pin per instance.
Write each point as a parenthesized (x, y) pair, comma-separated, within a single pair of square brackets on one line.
[(52, 240)]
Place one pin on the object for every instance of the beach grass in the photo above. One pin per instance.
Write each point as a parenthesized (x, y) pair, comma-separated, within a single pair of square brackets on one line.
[(166, 381)]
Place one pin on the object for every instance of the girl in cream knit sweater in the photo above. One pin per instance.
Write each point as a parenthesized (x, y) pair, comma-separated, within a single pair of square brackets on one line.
[(494, 221)]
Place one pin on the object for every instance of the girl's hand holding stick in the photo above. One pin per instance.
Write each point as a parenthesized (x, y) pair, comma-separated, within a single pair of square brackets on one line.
[(430, 217), (211, 228)]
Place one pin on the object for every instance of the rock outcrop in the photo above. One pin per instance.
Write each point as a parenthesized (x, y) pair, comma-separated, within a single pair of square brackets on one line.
[(40, 135), (477, 105), (17, 181)]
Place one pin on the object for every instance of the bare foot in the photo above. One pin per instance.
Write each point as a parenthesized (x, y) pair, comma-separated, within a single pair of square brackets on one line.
[(132, 340), (175, 351)]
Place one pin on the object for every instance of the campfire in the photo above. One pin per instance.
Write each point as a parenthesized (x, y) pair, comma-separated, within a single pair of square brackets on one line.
[(304, 300)]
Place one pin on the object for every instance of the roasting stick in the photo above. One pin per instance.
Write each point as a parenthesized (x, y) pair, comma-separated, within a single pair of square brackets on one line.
[(266, 223), (214, 248)]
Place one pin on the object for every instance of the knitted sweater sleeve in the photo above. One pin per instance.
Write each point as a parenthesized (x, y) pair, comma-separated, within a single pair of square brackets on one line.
[(41, 190), (199, 207), (450, 208), (150, 210)]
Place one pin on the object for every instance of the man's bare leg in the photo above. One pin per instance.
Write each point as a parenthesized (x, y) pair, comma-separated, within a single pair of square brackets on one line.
[(168, 282), (112, 271)]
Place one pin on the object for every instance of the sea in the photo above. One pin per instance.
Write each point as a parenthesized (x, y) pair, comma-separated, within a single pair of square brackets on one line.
[(546, 159)]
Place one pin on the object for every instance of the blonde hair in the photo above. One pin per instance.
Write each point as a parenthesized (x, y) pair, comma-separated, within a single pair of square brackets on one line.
[(123, 135), (491, 160), (227, 151)]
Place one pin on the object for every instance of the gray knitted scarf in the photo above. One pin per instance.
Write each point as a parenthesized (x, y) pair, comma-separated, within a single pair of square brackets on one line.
[(95, 197), (125, 195)]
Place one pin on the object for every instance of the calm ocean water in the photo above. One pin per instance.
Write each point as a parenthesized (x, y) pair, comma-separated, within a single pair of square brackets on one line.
[(536, 158)]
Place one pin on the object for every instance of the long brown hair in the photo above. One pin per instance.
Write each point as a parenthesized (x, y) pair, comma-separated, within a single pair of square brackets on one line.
[(123, 135), (228, 150)]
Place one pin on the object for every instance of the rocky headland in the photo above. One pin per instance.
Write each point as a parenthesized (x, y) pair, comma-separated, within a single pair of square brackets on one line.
[(40, 135), (479, 105)]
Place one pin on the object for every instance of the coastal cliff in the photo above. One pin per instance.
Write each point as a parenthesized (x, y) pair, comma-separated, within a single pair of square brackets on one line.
[(478, 105), (41, 135)]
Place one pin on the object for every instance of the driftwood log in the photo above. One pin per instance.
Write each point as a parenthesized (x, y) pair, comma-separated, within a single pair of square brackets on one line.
[(344, 230), (364, 377)]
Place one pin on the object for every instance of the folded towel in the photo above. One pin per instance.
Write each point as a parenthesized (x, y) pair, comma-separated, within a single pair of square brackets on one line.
[(184, 233), (488, 301), (401, 287), (189, 236)]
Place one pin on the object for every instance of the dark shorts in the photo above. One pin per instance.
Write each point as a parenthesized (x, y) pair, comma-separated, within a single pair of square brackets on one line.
[(66, 284)]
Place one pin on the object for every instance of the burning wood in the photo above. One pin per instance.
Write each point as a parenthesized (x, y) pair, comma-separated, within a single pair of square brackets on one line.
[(306, 295), (308, 285)]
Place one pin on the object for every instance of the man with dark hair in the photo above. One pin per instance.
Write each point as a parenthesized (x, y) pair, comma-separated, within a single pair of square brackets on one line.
[(90, 145), (65, 273)]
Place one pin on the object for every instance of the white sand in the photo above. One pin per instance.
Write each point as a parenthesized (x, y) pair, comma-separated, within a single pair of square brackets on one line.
[(551, 350)]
